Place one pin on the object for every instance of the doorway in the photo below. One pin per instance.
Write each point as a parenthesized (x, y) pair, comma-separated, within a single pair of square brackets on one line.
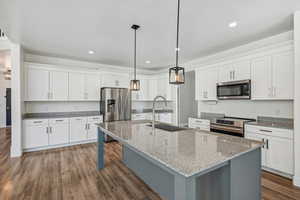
[(8, 107)]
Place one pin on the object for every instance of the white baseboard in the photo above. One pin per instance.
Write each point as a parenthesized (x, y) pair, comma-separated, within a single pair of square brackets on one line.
[(15, 153), (58, 146), (296, 181)]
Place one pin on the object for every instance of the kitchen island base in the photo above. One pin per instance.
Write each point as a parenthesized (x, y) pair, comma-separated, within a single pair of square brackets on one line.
[(219, 167), (236, 179)]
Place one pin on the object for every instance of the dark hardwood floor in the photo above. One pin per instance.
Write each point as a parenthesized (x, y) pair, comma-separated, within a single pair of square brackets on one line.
[(70, 173)]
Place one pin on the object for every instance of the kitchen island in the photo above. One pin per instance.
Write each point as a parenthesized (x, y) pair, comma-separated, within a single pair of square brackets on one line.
[(187, 165)]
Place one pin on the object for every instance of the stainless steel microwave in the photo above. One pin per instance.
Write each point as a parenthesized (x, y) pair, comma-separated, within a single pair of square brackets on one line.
[(234, 90)]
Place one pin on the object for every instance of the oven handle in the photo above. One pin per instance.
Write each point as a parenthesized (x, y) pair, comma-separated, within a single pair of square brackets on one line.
[(227, 128)]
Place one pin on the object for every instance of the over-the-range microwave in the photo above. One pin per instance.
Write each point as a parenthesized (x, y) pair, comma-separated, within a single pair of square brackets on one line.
[(234, 90)]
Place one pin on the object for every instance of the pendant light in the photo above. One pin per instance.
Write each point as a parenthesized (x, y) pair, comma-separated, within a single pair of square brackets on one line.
[(135, 84), (176, 74)]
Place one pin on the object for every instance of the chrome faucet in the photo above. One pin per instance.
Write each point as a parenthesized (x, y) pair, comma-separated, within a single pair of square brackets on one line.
[(153, 108)]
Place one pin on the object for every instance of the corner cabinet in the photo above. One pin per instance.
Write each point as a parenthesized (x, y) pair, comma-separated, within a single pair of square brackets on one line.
[(273, 77), (206, 82)]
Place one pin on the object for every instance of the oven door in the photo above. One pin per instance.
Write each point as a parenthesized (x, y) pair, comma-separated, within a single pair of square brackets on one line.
[(234, 90), (229, 130)]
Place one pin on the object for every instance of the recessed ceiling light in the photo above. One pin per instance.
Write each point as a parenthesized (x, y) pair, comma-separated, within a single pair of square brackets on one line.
[(232, 24), (148, 62), (91, 52)]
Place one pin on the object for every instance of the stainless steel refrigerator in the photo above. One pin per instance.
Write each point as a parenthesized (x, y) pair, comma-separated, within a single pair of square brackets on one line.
[(115, 105)]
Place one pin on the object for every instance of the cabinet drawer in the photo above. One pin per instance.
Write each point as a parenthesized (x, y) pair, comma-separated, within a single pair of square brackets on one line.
[(36, 122), (199, 122), (59, 121), (78, 120), (201, 127), (139, 116), (95, 119), (273, 132)]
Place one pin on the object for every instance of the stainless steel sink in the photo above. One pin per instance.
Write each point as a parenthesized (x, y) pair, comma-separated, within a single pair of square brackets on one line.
[(168, 127)]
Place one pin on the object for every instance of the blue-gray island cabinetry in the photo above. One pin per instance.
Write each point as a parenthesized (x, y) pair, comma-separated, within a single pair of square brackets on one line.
[(190, 164)]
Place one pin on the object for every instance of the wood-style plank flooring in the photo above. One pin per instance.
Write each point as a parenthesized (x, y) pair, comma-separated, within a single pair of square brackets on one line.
[(70, 173)]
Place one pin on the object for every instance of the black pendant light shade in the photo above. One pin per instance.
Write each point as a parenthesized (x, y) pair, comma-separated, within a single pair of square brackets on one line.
[(135, 84), (176, 74)]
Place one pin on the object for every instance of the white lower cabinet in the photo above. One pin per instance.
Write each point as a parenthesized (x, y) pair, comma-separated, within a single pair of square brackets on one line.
[(49, 133), (277, 152), (78, 129), (202, 124), (36, 133), (58, 131), (84, 128)]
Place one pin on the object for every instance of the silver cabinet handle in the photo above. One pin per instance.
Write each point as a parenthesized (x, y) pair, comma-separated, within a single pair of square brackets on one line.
[(50, 129), (263, 130), (59, 120), (263, 140), (267, 143), (47, 130), (37, 122), (230, 75), (274, 91), (89, 126), (233, 75)]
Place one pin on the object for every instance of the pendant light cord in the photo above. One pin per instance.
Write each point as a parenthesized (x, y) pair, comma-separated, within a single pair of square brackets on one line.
[(134, 54), (177, 40)]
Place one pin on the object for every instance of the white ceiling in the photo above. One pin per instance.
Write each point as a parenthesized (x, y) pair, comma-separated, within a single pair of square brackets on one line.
[(68, 28)]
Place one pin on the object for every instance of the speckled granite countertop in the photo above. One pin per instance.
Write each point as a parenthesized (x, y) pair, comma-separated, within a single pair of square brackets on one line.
[(273, 122), (60, 115), (187, 152), (136, 111)]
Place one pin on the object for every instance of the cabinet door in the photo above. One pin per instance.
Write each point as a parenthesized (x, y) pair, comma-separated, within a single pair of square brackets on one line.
[(122, 81), (59, 134), (280, 154), (198, 87), (242, 71), (162, 87), (35, 136), (37, 84), (59, 85), (152, 89), (261, 138), (92, 87), (76, 86), (211, 85), (78, 131), (92, 129), (283, 76), (226, 73), (165, 118), (261, 71)]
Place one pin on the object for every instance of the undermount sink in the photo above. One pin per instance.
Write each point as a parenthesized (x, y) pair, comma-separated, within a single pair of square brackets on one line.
[(167, 127)]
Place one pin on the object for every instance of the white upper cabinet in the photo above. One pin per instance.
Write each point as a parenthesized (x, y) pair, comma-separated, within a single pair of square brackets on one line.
[(235, 72), (261, 81), (58, 85), (152, 89), (242, 70), (226, 73), (206, 84), (283, 76), (273, 77), (76, 86), (37, 84), (92, 86)]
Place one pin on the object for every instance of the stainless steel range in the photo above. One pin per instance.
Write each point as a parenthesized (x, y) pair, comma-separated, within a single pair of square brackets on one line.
[(229, 125)]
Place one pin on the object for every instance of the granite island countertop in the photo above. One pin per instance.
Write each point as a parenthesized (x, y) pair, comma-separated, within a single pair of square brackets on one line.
[(186, 152)]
